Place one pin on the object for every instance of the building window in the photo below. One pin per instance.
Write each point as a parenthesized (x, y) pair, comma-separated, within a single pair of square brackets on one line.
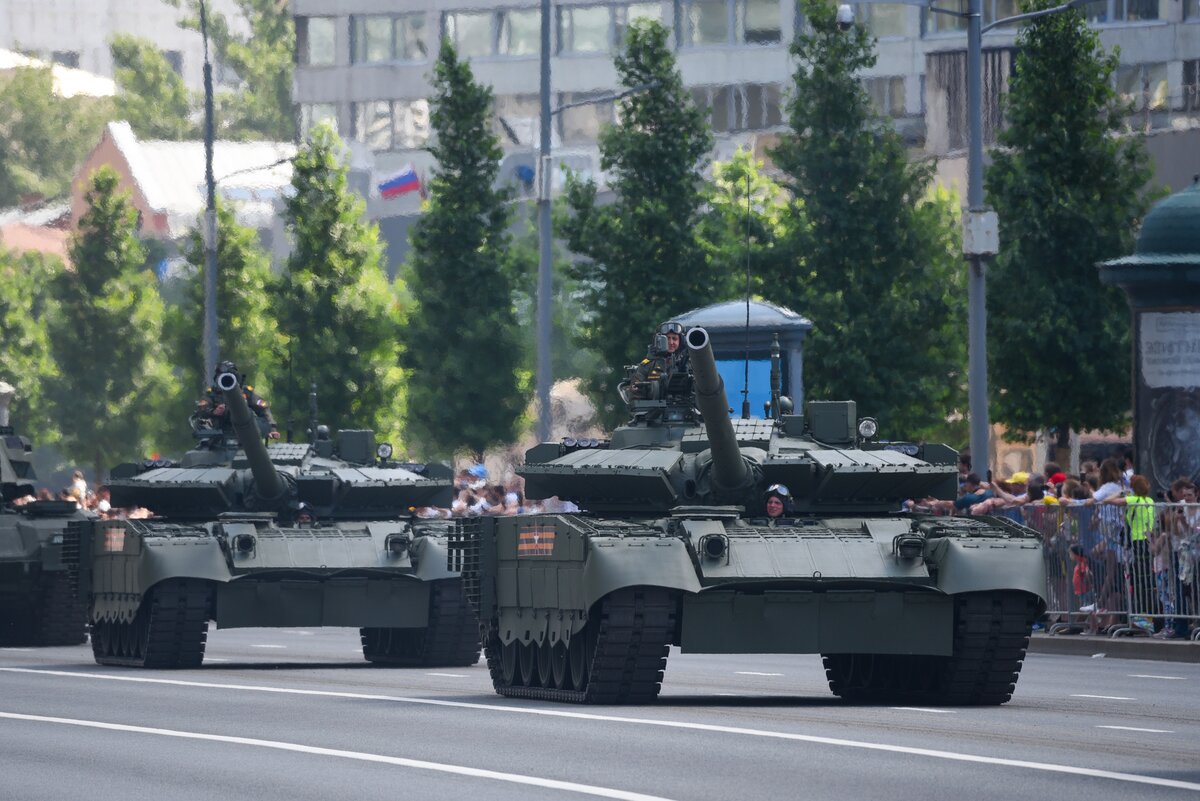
[(411, 42), (315, 41), (410, 124), (582, 124), (313, 114), (1191, 85), (381, 38), (520, 33), (1143, 85), (887, 95), (1191, 9), (471, 33), (1103, 11), (885, 20), (516, 119), (719, 22), (373, 124), (584, 29), (944, 23), (67, 58), (745, 107)]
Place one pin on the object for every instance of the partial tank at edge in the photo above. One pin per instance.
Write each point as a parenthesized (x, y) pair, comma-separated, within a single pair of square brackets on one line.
[(39, 570), (278, 535), (675, 547)]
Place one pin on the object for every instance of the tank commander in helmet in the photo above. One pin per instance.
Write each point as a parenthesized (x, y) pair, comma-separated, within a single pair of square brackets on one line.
[(665, 357), (212, 405)]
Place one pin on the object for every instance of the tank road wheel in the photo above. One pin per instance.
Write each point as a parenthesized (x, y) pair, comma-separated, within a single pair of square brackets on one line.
[(508, 661), (544, 652), (618, 658), (991, 633), (169, 630), (451, 639), (528, 662), (560, 673), (60, 617)]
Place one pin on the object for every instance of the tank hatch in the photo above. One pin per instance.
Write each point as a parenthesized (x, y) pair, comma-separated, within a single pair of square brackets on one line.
[(287, 452)]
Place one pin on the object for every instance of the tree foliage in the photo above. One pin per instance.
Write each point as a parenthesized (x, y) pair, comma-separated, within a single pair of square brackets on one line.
[(25, 304), (463, 351), (643, 261), (105, 334), (339, 316), (875, 263), (263, 60), (43, 137), (151, 96), (247, 332), (1069, 192)]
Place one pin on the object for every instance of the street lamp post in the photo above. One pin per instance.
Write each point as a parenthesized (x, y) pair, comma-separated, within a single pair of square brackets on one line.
[(210, 215), (545, 241)]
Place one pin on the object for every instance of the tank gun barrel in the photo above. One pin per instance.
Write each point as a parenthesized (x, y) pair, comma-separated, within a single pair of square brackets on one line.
[(729, 468), (267, 482)]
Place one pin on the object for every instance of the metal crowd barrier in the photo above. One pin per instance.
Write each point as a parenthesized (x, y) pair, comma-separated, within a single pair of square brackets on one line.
[(1101, 580)]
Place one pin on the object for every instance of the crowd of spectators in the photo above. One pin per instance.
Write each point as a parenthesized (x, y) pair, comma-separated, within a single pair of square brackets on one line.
[(1115, 554), (475, 496), (98, 501)]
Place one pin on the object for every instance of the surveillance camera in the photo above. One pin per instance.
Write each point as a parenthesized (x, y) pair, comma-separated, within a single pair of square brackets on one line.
[(845, 17)]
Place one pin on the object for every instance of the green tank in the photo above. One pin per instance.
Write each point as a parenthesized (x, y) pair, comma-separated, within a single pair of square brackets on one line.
[(674, 547), (281, 535), (39, 602)]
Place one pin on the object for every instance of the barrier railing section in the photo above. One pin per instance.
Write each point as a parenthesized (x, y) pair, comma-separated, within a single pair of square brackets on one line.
[(1120, 569)]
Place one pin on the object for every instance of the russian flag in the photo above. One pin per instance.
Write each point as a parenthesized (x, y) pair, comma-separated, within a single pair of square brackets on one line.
[(401, 183)]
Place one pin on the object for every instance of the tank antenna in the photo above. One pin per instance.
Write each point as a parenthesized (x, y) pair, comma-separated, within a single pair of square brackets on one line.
[(312, 412), (746, 363), (776, 377)]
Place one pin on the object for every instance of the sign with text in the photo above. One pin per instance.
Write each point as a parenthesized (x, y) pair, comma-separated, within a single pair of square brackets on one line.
[(1169, 347)]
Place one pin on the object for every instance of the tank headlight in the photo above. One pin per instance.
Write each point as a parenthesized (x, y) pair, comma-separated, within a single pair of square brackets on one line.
[(244, 543), (384, 451), (868, 428), (396, 544)]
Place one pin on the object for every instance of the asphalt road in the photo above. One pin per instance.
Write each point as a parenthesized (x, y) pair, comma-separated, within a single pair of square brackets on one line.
[(291, 714)]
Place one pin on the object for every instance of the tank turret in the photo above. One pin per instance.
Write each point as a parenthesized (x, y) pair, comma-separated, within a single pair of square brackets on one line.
[(269, 486)]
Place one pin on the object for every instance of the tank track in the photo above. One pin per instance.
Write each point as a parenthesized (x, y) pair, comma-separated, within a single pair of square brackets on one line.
[(169, 630), (626, 644), (60, 617), (450, 640), (991, 634)]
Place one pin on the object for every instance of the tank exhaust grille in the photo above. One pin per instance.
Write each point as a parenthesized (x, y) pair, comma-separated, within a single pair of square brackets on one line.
[(462, 556)]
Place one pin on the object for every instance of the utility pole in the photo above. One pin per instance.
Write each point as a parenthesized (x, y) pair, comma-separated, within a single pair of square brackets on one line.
[(545, 287), (210, 215)]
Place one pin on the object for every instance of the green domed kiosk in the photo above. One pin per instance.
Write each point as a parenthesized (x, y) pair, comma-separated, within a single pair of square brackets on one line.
[(1162, 282)]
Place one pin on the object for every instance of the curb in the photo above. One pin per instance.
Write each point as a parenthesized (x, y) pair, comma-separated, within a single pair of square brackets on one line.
[(1115, 647)]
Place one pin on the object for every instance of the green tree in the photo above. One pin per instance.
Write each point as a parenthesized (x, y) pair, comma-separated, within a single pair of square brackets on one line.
[(875, 267), (25, 303), (643, 261), (463, 345), (745, 226), (263, 59), (43, 137), (1069, 192), (340, 317), (105, 335), (247, 332), (151, 96)]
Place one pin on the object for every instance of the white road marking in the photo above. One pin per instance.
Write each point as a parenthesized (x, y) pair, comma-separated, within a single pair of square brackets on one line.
[(1135, 728), (459, 770), (953, 756), (266, 645), (16, 649), (1152, 676), (450, 675), (753, 673), (925, 709), (216, 659), (1104, 697)]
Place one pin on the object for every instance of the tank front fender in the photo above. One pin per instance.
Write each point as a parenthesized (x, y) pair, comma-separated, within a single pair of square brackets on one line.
[(982, 564), (637, 562)]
